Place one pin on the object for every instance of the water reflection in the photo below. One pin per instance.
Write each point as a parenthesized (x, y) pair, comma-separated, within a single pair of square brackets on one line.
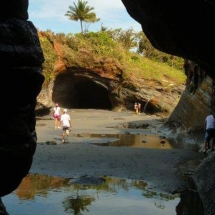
[(76, 205), (140, 141), (41, 194), (88, 195)]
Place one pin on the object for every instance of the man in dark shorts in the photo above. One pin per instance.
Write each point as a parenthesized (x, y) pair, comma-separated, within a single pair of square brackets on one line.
[(66, 123), (209, 131)]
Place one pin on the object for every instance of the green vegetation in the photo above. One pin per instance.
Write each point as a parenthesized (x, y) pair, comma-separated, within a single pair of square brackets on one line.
[(82, 12), (124, 55), (50, 59)]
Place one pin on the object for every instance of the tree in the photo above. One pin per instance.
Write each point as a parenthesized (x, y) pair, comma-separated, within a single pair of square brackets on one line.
[(146, 49), (82, 12), (126, 37)]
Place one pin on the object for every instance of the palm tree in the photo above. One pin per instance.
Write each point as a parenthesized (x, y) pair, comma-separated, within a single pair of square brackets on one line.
[(82, 12)]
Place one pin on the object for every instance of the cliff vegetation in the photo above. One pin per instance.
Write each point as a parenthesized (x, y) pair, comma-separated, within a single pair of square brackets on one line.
[(116, 53)]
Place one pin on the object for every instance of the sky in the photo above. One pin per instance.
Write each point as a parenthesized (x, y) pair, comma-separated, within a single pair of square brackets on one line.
[(50, 15)]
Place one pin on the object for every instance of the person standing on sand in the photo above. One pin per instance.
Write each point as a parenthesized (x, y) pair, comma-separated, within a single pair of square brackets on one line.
[(136, 107), (56, 115), (66, 123), (209, 128), (139, 108)]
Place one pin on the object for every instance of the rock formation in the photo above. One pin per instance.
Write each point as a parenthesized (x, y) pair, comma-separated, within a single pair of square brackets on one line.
[(184, 28), (180, 28), (21, 60), (85, 89)]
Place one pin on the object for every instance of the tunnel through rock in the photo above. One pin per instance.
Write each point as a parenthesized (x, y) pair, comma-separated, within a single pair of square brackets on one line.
[(76, 91)]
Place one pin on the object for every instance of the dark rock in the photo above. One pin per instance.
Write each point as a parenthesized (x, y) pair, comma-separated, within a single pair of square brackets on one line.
[(51, 142), (21, 57), (182, 28)]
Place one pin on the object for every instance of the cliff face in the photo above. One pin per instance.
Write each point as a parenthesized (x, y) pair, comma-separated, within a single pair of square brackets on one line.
[(72, 89), (103, 86), (184, 28), (193, 107), (195, 104)]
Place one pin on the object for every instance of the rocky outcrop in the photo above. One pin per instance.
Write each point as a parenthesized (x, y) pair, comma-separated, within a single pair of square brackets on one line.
[(184, 28), (21, 60), (186, 36), (87, 89), (187, 119), (204, 180), (85, 80)]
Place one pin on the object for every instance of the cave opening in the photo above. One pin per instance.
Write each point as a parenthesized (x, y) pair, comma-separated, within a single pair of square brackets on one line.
[(79, 92), (91, 95)]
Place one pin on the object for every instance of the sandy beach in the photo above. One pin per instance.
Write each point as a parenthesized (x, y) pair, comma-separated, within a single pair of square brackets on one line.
[(82, 155)]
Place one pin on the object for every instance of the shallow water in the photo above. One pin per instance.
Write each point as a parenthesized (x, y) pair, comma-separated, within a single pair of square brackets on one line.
[(49, 195), (41, 194), (152, 141)]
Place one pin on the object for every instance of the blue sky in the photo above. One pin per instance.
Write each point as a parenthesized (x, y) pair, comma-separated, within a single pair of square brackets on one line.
[(50, 15)]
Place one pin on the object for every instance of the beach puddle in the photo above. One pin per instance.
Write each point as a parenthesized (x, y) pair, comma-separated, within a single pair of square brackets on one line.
[(139, 141), (47, 195)]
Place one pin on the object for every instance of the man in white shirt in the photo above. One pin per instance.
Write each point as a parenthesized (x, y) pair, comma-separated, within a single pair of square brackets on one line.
[(209, 131), (66, 123)]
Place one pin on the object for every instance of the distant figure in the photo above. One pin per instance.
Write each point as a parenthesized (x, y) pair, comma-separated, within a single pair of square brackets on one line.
[(56, 115), (209, 128), (139, 108), (66, 123), (136, 107)]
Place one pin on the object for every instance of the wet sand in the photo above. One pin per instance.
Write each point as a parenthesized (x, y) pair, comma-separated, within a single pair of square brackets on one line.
[(79, 157)]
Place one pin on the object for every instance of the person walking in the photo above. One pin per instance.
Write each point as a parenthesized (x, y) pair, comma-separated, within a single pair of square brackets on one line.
[(139, 107), (209, 128), (136, 107), (56, 116), (66, 124)]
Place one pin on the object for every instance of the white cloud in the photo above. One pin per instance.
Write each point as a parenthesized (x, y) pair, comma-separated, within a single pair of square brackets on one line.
[(47, 9), (106, 4), (51, 14)]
